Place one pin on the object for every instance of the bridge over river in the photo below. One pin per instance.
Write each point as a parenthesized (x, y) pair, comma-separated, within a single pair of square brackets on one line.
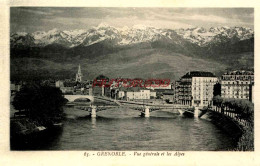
[(72, 98), (144, 108)]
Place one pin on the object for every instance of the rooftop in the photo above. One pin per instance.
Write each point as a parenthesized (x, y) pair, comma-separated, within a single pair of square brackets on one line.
[(198, 74), (102, 77), (132, 89), (239, 72)]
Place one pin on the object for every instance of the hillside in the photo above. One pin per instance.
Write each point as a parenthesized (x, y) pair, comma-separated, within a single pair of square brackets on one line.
[(140, 62)]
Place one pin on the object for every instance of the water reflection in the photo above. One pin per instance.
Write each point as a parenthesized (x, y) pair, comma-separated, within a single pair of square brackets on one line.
[(93, 122), (146, 121)]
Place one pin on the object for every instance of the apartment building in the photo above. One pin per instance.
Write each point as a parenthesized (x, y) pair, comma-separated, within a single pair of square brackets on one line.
[(237, 84), (195, 88)]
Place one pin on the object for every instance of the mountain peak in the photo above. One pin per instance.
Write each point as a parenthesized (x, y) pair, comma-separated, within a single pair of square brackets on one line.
[(124, 28), (103, 25), (75, 32), (21, 33), (53, 31)]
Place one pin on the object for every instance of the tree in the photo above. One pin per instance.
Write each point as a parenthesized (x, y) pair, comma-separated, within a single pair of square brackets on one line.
[(217, 89), (242, 107), (43, 103), (217, 101)]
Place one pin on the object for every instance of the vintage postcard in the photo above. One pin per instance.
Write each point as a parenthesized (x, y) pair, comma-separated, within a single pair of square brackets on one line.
[(124, 83)]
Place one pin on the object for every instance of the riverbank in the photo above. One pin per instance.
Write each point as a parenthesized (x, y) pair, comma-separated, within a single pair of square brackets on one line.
[(243, 135), (26, 134), (246, 141), (23, 126)]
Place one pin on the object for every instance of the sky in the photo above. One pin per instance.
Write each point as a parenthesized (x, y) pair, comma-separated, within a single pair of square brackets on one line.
[(31, 19)]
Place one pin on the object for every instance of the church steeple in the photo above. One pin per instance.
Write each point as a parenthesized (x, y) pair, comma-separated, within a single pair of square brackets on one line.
[(79, 75)]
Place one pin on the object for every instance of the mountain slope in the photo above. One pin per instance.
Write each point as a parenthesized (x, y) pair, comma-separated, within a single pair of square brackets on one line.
[(128, 63)]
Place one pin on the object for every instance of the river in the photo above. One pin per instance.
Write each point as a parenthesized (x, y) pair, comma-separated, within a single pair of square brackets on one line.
[(123, 129)]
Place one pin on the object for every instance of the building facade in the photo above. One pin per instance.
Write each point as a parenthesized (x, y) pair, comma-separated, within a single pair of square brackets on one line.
[(177, 92), (195, 88), (140, 94), (100, 86), (134, 93), (59, 84), (168, 97), (251, 92), (237, 84), (152, 94), (121, 94)]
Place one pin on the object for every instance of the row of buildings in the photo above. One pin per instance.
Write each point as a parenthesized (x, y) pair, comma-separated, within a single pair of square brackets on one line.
[(198, 88), (195, 88)]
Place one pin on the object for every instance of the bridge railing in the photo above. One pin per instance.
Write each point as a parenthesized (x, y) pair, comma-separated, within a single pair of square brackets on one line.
[(232, 114)]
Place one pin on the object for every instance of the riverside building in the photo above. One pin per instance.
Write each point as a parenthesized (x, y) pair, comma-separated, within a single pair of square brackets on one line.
[(195, 88), (237, 84)]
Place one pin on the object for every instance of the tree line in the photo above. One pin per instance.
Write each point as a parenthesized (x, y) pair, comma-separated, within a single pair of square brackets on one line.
[(242, 107)]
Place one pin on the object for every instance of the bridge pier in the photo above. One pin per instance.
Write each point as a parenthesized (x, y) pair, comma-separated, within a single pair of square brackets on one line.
[(147, 112), (93, 112), (180, 111), (196, 112)]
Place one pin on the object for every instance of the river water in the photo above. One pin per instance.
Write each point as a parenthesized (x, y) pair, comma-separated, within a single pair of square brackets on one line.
[(124, 129)]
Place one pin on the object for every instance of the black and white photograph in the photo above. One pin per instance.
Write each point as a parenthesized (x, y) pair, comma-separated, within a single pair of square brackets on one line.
[(115, 79)]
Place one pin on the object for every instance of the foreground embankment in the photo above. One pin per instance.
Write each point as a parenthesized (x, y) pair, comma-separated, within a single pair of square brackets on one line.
[(26, 134), (243, 135)]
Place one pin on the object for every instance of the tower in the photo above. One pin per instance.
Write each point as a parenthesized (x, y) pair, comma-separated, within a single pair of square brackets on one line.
[(79, 75)]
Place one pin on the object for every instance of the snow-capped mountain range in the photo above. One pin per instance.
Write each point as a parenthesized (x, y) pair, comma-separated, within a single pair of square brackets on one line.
[(127, 36), (202, 37)]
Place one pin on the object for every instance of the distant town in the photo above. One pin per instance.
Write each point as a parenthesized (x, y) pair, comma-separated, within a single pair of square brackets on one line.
[(195, 88)]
